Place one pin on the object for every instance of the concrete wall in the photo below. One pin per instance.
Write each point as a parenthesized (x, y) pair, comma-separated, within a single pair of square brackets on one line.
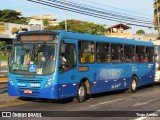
[(8, 29)]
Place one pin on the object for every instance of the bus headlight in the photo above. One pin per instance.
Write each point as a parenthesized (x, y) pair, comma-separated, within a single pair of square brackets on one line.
[(10, 81), (49, 82)]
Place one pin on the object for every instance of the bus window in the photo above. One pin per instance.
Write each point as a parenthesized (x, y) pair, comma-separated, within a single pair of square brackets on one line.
[(67, 58), (117, 52), (102, 52), (140, 54), (86, 51), (150, 54), (129, 55)]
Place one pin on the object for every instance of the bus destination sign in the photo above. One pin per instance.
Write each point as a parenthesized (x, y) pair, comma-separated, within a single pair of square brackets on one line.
[(36, 37)]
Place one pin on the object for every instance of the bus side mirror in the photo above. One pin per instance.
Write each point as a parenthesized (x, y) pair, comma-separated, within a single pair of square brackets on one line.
[(7, 49)]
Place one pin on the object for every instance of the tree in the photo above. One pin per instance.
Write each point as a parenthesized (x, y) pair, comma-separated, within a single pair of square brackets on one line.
[(80, 26), (12, 16), (156, 15), (2, 43), (46, 22), (140, 32)]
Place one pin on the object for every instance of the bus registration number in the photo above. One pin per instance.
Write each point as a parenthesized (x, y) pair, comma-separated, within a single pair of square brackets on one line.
[(34, 85), (27, 91)]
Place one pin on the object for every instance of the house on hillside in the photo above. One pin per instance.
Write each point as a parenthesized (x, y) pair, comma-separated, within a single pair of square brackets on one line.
[(119, 30), (38, 20)]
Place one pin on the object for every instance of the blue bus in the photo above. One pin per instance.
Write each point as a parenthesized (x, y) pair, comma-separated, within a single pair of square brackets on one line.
[(62, 64)]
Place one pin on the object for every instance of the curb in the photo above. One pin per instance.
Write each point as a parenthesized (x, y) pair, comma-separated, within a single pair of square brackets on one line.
[(5, 103), (3, 91), (3, 87)]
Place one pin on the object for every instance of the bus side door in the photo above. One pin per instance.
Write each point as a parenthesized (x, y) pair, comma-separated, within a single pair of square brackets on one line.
[(68, 71)]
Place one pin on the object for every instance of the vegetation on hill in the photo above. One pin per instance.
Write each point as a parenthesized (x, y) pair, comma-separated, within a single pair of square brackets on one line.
[(12, 16), (79, 26)]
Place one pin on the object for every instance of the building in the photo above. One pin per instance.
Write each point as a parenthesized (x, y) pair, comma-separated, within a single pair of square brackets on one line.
[(123, 31), (119, 30), (8, 31), (38, 20), (145, 37)]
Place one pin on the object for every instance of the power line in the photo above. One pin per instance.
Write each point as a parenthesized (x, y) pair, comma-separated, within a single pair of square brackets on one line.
[(89, 13), (117, 8), (37, 6), (100, 11), (119, 13)]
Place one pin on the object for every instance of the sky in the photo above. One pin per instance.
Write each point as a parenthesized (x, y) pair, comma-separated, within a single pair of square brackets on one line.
[(142, 8)]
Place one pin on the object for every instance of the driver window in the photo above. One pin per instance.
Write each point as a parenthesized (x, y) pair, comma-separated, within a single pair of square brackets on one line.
[(67, 58)]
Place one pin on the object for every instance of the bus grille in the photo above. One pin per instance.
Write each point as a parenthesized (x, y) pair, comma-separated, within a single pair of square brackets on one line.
[(29, 80), (24, 88)]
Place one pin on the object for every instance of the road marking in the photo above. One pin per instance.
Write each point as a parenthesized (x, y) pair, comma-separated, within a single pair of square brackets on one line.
[(144, 103), (153, 100), (141, 118), (139, 104), (105, 102)]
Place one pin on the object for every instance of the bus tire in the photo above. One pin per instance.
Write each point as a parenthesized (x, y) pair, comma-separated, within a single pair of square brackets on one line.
[(81, 93), (133, 85)]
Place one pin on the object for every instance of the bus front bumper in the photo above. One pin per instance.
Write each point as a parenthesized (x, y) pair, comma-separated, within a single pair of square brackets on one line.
[(48, 93)]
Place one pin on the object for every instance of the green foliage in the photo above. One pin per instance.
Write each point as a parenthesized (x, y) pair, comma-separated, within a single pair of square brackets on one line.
[(140, 32), (3, 57), (12, 16), (80, 26), (155, 20), (2, 43), (46, 22)]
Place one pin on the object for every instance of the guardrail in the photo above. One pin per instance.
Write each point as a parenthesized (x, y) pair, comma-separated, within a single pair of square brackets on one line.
[(3, 68), (3, 77), (3, 85)]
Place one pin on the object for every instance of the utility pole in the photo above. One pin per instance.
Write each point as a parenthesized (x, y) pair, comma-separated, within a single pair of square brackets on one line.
[(65, 12), (157, 18), (41, 17)]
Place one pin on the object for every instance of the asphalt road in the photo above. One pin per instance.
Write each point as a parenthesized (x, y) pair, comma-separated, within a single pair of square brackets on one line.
[(110, 106)]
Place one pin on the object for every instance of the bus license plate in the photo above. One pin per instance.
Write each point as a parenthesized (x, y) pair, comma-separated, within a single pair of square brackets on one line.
[(28, 91)]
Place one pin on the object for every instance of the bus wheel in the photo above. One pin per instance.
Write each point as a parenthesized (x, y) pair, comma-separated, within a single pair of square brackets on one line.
[(82, 93), (133, 85)]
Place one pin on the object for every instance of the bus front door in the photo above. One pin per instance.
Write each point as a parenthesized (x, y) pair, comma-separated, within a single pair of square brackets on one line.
[(68, 71)]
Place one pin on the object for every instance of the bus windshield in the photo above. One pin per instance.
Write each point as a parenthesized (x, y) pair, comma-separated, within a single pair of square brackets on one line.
[(33, 58)]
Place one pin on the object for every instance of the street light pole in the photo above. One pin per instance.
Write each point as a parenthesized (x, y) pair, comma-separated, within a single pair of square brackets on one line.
[(41, 21), (157, 17), (65, 9)]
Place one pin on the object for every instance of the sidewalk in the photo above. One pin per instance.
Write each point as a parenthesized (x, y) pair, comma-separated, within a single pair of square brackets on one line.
[(4, 97)]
